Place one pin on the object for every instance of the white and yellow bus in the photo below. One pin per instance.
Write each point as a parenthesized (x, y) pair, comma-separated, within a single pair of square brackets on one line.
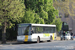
[(36, 32)]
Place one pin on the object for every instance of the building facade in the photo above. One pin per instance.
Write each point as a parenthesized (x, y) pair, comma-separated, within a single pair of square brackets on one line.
[(68, 21)]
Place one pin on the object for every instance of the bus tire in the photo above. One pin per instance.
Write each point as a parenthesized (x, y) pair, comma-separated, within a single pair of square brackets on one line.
[(51, 39), (38, 40)]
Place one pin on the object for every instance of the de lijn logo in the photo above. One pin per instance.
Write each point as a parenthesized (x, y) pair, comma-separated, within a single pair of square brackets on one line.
[(46, 35)]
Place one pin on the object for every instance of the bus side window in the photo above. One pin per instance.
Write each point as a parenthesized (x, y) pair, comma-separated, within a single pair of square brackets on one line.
[(33, 29)]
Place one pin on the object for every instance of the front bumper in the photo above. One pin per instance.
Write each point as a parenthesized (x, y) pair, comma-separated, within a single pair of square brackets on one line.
[(25, 38)]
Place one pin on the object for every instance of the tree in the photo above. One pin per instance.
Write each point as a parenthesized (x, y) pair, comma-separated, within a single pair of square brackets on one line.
[(43, 12), (44, 9), (31, 17), (28, 17), (52, 15), (38, 19), (10, 10), (58, 24)]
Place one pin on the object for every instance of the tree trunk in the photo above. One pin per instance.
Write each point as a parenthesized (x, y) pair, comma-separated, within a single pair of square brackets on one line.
[(4, 33), (25, 2)]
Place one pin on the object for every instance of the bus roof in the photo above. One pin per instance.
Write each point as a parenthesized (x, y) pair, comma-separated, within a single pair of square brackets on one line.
[(44, 25), (39, 24)]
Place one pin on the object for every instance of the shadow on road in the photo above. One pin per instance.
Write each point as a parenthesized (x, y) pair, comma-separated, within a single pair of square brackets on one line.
[(17, 43)]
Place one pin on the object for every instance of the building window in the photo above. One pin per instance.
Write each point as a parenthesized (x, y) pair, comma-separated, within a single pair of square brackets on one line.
[(65, 26), (53, 0), (66, 15), (59, 0), (63, 0), (60, 16), (65, 23)]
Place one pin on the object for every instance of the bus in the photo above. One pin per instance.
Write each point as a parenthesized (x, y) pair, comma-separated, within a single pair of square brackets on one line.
[(36, 32)]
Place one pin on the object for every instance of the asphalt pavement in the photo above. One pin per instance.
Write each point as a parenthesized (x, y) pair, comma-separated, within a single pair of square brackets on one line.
[(54, 45)]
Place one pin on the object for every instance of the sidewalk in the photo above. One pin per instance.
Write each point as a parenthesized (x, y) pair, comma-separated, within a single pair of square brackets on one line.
[(9, 42), (57, 38)]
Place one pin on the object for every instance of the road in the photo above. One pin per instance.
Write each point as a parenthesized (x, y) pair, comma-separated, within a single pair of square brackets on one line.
[(54, 45)]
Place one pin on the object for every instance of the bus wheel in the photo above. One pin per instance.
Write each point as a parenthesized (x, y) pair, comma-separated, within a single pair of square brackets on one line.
[(38, 40), (50, 38)]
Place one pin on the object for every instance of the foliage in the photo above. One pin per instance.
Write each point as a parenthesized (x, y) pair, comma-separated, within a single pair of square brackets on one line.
[(38, 19), (58, 24), (10, 11), (44, 10), (28, 17)]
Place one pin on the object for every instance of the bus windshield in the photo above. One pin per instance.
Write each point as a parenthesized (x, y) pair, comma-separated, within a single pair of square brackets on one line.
[(23, 30)]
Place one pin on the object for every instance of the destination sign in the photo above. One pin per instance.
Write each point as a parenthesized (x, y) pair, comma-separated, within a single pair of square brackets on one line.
[(23, 25)]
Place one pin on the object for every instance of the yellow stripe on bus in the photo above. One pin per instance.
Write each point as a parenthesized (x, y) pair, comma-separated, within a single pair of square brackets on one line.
[(53, 36), (26, 38)]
